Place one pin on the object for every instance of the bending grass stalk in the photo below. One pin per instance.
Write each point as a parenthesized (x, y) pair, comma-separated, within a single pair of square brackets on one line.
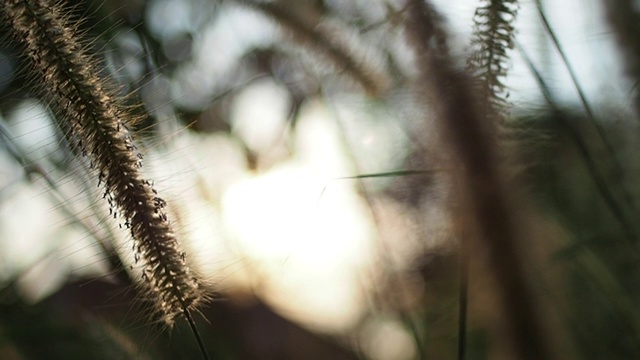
[(96, 123), (599, 179), (617, 168), (485, 191)]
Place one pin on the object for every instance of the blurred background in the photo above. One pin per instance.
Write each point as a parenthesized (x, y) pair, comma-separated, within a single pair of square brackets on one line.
[(312, 188)]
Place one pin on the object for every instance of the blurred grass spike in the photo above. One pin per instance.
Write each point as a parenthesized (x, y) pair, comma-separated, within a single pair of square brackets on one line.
[(311, 34)]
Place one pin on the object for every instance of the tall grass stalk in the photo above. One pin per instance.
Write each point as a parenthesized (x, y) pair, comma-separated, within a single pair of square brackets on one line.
[(481, 177)]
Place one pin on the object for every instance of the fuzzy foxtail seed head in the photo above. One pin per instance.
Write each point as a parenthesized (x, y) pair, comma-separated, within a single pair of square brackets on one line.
[(97, 121)]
